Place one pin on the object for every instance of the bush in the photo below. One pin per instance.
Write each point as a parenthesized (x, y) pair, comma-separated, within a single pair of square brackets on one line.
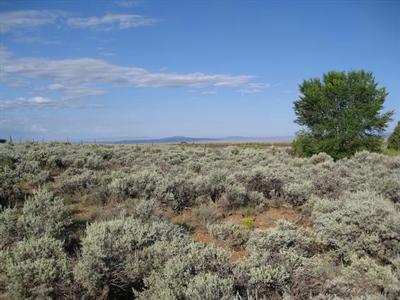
[(206, 213), (179, 193), (234, 196), (375, 280), (74, 180), (8, 227), (211, 287), (264, 181), (297, 193), (43, 214), (10, 191), (275, 255), (216, 184), (363, 223), (233, 234), (107, 247), (388, 187), (179, 272), (36, 269)]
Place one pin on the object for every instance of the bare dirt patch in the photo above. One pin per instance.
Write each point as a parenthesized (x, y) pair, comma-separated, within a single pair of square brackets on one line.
[(269, 218), (262, 221)]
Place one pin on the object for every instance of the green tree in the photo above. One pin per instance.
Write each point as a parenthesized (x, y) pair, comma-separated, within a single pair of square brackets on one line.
[(341, 114), (394, 138)]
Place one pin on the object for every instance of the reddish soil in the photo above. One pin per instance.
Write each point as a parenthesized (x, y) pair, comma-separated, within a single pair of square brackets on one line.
[(268, 219), (262, 221)]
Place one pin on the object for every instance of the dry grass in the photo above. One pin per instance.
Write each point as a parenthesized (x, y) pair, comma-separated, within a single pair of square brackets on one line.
[(391, 152)]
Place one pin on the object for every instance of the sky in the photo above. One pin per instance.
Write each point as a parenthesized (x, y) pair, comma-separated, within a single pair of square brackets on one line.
[(141, 68)]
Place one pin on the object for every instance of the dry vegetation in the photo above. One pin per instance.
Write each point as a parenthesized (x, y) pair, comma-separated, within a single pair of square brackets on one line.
[(197, 222)]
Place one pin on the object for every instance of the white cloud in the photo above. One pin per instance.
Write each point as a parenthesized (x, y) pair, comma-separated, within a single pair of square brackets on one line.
[(254, 87), (81, 76), (39, 100), (111, 21), (14, 20), (73, 91), (22, 102), (55, 87), (11, 21)]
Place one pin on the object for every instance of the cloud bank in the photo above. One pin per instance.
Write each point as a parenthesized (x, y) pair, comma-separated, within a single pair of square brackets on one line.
[(27, 19), (14, 20), (87, 76), (111, 21)]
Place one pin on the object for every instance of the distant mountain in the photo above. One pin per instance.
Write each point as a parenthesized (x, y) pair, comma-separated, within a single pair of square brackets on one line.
[(185, 139), (166, 140), (257, 139)]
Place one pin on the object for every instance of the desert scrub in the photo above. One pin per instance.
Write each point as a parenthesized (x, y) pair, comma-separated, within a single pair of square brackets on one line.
[(178, 276), (10, 190), (274, 257), (377, 280), (44, 214), (233, 234), (354, 237), (363, 223), (8, 227), (35, 268), (264, 181), (234, 196), (108, 246), (211, 287), (206, 213)]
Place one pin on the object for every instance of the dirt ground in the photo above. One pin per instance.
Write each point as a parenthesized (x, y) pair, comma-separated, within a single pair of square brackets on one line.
[(262, 221)]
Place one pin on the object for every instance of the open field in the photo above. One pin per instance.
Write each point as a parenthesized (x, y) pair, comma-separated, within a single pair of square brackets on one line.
[(246, 221)]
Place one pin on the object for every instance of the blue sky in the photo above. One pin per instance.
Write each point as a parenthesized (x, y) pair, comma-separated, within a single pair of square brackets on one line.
[(142, 68)]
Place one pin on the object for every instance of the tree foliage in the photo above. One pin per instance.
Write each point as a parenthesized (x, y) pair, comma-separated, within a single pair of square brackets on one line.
[(341, 113), (394, 138)]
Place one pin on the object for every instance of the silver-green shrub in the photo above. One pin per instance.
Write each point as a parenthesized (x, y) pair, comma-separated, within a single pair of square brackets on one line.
[(44, 214), (210, 286), (233, 234), (35, 268), (107, 246), (177, 276), (274, 257), (8, 227), (364, 277), (363, 223)]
